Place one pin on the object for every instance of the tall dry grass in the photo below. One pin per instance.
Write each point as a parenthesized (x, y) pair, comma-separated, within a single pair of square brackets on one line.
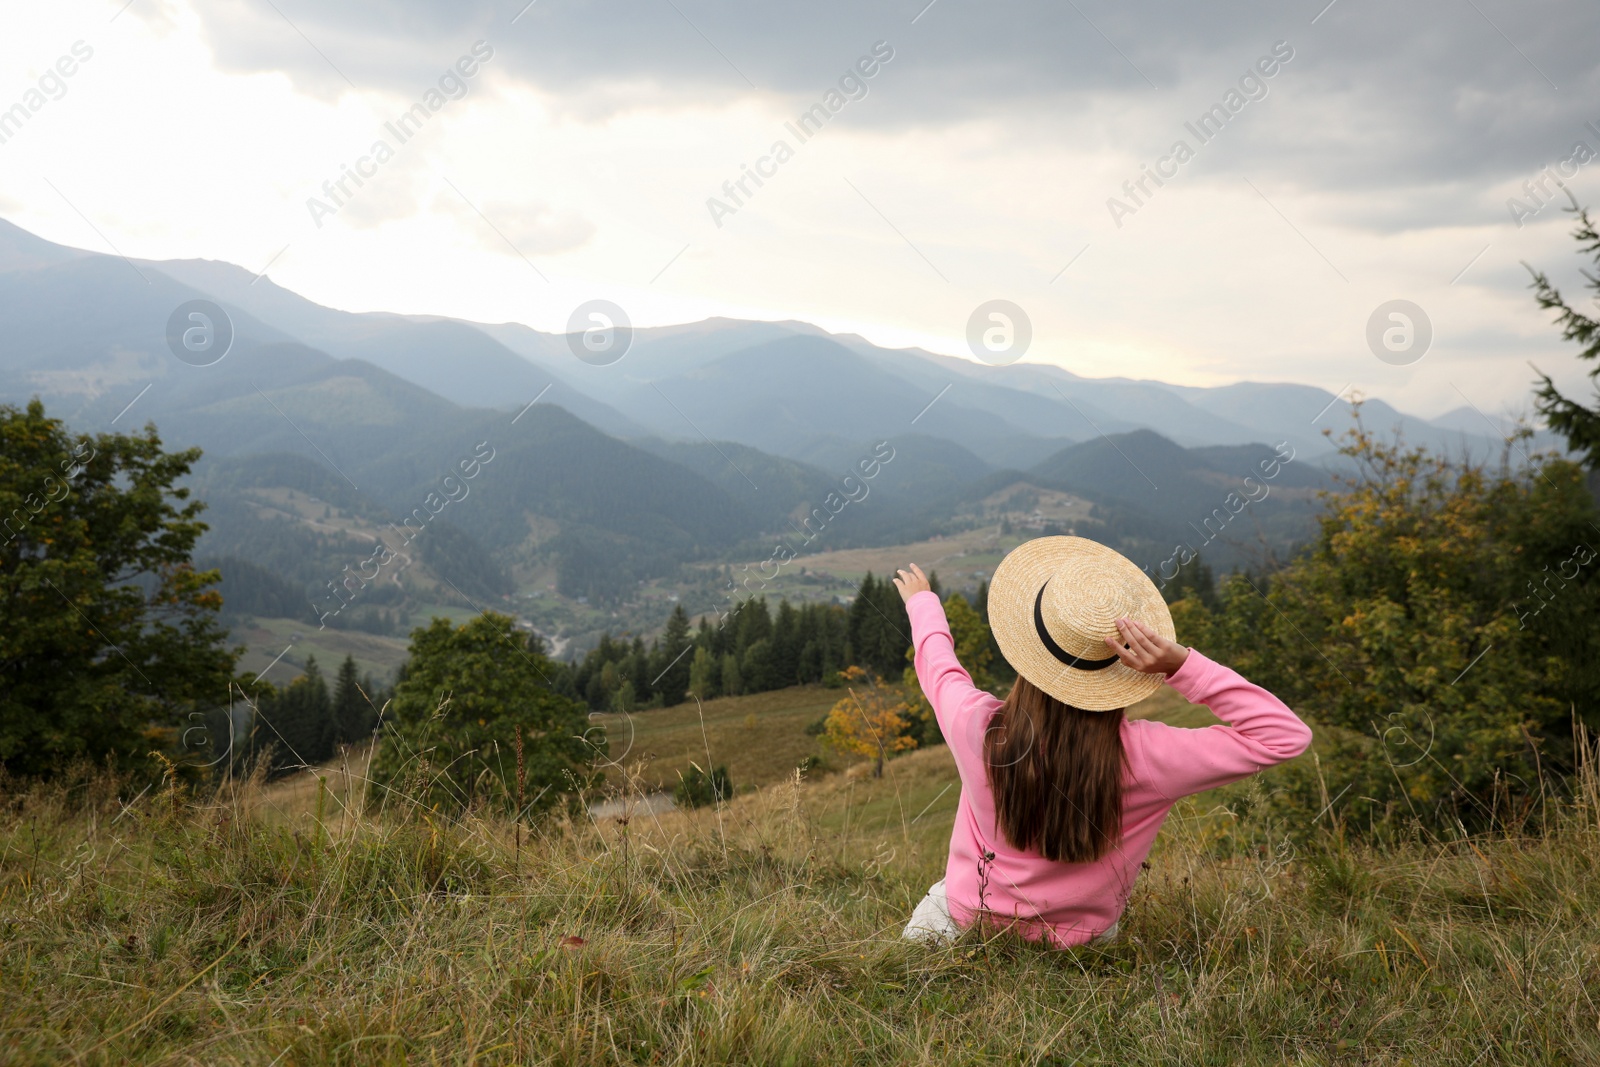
[(244, 928)]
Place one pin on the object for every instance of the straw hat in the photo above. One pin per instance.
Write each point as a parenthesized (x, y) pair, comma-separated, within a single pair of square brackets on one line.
[(1052, 603)]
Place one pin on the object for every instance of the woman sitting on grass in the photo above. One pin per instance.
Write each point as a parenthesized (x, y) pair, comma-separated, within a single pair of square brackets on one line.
[(1061, 796)]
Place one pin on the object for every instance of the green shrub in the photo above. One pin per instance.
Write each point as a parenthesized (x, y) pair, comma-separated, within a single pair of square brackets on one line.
[(1441, 633), (697, 788)]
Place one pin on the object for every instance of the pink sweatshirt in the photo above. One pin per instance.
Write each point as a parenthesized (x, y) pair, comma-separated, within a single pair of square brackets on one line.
[(1074, 902)]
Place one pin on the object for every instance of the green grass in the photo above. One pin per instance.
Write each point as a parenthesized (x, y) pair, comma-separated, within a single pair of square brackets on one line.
[(761, 738), (764, 932), (1165, 705), (265, 638)]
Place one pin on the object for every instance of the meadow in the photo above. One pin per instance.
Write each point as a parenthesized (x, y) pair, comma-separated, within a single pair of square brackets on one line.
[(761, 737), (299, 922)]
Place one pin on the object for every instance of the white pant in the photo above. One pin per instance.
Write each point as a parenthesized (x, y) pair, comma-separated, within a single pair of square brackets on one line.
[(931, 922)]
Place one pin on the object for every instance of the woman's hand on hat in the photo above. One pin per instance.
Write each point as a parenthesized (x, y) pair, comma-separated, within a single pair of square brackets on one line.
[(911, 582), (1145, 650)]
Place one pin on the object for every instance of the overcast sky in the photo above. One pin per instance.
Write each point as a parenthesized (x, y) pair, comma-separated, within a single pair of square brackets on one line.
[(977, 161)]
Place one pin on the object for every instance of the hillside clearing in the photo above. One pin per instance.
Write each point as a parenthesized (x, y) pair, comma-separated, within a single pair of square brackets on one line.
[(766, 932), (761, 737)]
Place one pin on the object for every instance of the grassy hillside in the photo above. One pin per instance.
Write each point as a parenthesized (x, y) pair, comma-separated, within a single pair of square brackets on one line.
[(765, 932), (266, 639), (761, 738)]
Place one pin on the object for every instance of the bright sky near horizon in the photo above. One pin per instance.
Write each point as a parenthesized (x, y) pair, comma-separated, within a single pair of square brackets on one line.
[(603, 150)]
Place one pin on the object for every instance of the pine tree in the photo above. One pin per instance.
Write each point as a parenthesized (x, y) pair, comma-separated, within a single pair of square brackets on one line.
[(639, 660), (757, 669), (594, 693), (897, 628), (880, 631), (318, 714), (837, 653), (754, 624), (1572, 419), (724, 635), (785, 647), (298, 722), (864, 621), (672, 660), (353, 717), (1193, 581)]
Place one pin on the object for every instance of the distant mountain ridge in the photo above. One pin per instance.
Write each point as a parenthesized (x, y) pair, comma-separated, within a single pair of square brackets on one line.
[(1238, 502), (430, 352), (734, 372)]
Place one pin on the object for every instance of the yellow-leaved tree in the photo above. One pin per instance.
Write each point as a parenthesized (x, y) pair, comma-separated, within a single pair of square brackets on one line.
[(872, 720)]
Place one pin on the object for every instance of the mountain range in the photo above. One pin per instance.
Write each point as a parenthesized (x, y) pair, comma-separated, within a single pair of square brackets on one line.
[(322, 429)]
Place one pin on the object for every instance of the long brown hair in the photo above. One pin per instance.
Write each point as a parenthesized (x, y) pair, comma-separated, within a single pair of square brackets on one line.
[(1056, 774)]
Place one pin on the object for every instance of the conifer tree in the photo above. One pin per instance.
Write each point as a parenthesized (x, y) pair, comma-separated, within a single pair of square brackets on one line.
[(353, 717), (672, 660), (639, 660), (1574, 420), (754, 624), (864, 621), (757, 669), (880, 631), (785, 647), (297, 721)]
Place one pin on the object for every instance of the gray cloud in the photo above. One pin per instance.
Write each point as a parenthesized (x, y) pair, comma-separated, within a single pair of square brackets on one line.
[(1431, 97)]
